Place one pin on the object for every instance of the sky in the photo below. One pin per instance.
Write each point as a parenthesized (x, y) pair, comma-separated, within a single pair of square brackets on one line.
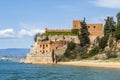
[(20, 20)]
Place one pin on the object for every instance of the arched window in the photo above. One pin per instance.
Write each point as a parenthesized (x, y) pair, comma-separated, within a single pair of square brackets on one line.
[(94, 26)]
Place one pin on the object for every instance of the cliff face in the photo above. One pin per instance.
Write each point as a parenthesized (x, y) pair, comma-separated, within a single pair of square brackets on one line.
[(113, 45), (50, 51), (35, 57), (47, 51)]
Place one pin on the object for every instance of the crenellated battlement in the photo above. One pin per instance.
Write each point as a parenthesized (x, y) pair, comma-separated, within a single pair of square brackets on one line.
[(58, 30)]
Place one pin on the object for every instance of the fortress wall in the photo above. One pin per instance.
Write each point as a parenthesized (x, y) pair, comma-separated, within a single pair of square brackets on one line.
[(95, 29)]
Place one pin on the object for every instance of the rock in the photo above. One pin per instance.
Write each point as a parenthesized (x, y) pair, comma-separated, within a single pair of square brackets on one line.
[(100, 56), (118, 54)]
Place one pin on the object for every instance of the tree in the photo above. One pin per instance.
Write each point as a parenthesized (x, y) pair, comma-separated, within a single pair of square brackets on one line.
[(109, 27), (36, 35), (103, 42), (84, 35), (42, 37), (117, 32), (70, 52), (118, 18)]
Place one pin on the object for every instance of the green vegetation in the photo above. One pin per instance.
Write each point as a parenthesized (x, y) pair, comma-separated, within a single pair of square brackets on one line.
[(84, 35), (72, 32), (117, 32), (42, 37), (109, 29), (59, 33), (93, 51), (36, 35), (70, 52), (79, 51), (75, 31), (103, 42)]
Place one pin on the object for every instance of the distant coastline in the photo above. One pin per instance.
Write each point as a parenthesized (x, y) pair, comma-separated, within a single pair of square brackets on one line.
[(14, 59)]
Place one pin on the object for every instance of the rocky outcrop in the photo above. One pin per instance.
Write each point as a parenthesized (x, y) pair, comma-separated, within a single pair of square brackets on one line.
[(35, 57), (100, 57)]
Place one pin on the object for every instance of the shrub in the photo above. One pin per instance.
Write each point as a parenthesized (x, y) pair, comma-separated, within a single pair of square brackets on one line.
[(70, 52), (94, 51), (103, 42), (75, 31), (59, 33)]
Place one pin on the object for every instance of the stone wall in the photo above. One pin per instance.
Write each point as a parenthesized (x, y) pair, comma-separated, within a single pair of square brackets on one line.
[(38, 58), (94, 29)]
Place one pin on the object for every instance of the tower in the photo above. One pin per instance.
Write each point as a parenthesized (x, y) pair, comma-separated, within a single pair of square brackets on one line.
[(77, 24)]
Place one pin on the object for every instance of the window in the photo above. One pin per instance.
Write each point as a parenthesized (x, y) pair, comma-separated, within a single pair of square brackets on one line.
[(56, 47), (94, 26), (43, 46), (46, 51), (46, 45), (74, 25), (43, 51), (40, 46), (88, 26)]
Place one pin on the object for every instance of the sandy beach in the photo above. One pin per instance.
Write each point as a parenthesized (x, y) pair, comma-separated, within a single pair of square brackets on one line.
[(115, 65)]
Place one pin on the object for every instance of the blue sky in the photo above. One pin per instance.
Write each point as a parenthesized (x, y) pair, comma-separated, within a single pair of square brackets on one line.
[(21, 19)]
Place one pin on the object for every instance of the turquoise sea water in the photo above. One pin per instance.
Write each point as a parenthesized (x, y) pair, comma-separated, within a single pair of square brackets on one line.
[(16, 71)]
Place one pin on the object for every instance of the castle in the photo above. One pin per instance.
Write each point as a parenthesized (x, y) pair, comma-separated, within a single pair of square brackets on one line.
[(94, 29), (48, 49)]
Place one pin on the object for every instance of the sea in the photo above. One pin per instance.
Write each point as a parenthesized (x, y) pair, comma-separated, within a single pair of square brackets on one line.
[(10, 70)]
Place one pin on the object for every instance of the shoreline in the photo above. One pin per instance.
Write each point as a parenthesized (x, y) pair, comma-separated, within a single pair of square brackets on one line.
[(112, 65)]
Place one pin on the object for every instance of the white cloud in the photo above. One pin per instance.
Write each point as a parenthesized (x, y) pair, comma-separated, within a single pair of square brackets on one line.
[(10, 33), (107, 3), (32, 32), (7, 33)]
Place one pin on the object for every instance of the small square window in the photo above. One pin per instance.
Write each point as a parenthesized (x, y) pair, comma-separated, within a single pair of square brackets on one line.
[(40, 46), (74, 25)]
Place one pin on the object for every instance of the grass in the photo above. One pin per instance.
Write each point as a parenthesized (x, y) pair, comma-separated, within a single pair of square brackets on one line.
[(111, 60)]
